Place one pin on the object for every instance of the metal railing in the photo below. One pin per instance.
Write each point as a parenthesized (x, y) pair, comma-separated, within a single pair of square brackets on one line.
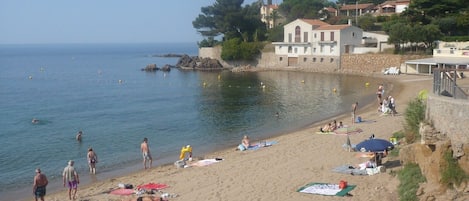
[(445, 84)]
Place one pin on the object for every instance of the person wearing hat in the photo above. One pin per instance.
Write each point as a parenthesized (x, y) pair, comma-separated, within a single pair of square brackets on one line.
[(70, 177), (39, 185)]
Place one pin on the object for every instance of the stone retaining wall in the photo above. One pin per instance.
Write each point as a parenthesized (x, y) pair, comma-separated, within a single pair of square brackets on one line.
[(449, 116), (348, 63)]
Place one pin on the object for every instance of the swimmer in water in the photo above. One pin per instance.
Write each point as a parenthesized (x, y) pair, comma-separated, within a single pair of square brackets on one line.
[(79, 136), (35, 121)]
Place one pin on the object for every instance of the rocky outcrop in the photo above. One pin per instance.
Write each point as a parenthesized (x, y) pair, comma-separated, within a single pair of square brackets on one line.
[(154, 67), (429, 154), (197, 63)]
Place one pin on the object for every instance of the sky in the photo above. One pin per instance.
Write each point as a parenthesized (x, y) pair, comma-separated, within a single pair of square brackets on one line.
[(100, 21)]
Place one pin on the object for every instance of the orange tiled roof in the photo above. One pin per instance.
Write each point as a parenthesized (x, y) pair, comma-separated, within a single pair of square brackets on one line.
[(314, 22), (333, 27), (356, 6)]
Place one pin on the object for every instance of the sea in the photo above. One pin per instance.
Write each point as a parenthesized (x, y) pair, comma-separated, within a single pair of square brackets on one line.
[(101, 90)]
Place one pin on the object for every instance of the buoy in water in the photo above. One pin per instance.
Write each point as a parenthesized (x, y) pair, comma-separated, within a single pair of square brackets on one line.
[(367, 84), (30, 77), (303, 81), (334, 90)]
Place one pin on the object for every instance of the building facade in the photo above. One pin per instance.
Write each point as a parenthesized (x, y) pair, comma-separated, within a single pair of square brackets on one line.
[(310, 41)]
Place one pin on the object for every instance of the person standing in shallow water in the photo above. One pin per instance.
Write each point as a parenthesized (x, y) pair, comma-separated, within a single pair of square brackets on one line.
[(78, 137), (146, 153), (39, 185), (92, 160)]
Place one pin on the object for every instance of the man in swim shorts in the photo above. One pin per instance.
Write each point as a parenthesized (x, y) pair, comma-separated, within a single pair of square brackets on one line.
[(146, 153), (39, 185), (70, 177)]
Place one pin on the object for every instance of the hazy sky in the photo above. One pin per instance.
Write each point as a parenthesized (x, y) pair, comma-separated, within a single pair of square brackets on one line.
[(99, 21)]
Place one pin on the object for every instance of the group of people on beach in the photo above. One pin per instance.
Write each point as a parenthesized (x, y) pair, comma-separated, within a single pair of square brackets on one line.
[(70, 176), (331, 127), (387, 105)]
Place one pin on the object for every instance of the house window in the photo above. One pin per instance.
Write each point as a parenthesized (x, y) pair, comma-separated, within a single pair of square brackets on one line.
[(332, 60), (332, 36), (322, 59), (315, 35), (289, 49), (297, 34), (289, 38), (305, 49), (314, 59), (314, 50), (304, 59), (296, 50), (322, 36), (321, 50), (305, 37), (332, 49)]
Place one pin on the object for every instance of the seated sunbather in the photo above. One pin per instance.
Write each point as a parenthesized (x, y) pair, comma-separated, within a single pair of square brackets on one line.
[(326, 128), (245, 143)]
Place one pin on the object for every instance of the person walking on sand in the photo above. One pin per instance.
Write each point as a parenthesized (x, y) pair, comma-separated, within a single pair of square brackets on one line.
[(146, 153), (70, 177), (354, 110), (39, 185), (92, 160)]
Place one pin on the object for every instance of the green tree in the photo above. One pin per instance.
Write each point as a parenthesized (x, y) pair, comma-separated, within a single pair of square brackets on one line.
[(294, 9), (366, 22), (229, 19)]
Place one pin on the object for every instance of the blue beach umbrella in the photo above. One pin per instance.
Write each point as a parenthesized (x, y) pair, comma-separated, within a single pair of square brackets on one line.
[(374, 145)]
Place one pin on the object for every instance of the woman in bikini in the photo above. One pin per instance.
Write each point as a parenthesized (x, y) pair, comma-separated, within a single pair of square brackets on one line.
[(92, 160)]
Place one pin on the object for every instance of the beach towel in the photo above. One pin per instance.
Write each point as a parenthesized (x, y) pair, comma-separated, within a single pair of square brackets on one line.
[(205, 162), (325, 189), (122, 191), (261, 145), (348, 169), (152, 186), (326, 133)]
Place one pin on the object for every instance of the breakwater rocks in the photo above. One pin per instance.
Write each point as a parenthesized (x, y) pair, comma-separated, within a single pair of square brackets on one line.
[(198, 63), (154, 67)]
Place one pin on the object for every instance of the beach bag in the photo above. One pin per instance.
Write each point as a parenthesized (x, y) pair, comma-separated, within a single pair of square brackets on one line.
[(180, 163), (359, 119), (342, 184)]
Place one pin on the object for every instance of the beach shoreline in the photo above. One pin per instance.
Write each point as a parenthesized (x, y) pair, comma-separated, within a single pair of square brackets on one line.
[(187, 189)]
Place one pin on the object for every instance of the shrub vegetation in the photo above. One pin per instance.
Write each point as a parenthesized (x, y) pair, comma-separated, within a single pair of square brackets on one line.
[(410, 177)]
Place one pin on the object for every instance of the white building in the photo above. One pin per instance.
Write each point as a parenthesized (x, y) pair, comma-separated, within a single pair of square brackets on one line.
[(317, 40), (447, 55)]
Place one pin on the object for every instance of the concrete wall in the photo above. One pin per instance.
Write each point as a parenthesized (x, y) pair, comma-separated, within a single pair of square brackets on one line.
[(347, 63), (449, 116)]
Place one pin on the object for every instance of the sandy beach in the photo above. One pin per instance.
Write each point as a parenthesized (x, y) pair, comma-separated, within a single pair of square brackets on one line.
[(278, 171)]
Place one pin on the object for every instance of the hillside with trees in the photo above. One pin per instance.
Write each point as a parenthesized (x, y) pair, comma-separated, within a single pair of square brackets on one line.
[(242, 34)]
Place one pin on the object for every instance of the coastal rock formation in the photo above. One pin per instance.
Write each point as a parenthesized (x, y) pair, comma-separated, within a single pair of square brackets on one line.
[(154, 67), (197, 63), (150, 67)]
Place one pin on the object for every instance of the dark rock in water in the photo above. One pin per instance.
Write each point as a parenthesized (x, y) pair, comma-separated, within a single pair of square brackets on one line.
[(168, 55), (197, 63), (150, 67), (166, 67)]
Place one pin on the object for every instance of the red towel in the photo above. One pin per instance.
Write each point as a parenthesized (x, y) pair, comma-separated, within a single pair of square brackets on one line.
[(151, 186)]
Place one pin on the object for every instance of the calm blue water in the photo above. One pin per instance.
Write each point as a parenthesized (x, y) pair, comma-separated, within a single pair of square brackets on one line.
[(101, 90)]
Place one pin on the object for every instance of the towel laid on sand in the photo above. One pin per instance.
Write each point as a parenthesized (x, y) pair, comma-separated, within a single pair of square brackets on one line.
[(325, 189), (261, 145), (205, 162)]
